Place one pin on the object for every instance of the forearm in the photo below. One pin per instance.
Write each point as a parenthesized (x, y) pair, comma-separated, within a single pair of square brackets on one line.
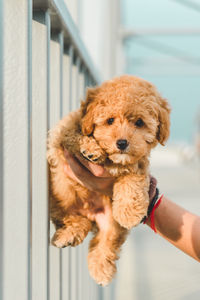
[(179, 227)]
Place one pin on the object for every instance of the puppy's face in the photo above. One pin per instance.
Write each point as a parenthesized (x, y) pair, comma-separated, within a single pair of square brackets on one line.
[(127, 117)]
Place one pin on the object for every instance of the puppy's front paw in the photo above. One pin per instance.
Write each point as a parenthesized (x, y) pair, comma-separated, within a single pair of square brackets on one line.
[(130, 200), (129, 214), (91, 150), (101, 266), (70, 236)]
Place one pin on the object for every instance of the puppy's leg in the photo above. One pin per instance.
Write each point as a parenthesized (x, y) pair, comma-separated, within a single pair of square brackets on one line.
[(72, 232), (71, 228), (104, 249), (65, 134), (91, 150), (130, 200)]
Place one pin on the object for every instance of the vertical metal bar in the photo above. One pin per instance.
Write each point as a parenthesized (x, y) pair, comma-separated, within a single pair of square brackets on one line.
[(90, 80), (77, 99), (85, 275), (1, 150), (93, 82), (73, 250), (55, 254), (61, 42), (78, 65), (82, 87), (86, 79), (79, 272), (112, 290), (74, 85), (15, 134), (66, 74), (29, 64), (71, 59), (100, 293), (108, 292), (48, 26), (39, 165), (65, 106), (84, 270), (89, 288), (80, 249), (70, 99)]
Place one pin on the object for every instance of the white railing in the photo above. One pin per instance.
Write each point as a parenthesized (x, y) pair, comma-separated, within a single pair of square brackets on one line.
[(44, 70)]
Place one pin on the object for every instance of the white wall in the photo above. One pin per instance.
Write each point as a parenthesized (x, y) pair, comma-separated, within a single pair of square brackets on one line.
[(99, 29), (98, 22)]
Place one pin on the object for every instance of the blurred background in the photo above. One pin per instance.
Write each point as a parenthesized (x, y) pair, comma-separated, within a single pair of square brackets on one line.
[(159, 41), (50, 51)]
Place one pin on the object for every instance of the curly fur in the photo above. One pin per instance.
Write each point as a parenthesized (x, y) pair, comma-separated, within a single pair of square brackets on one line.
[(126, 100)]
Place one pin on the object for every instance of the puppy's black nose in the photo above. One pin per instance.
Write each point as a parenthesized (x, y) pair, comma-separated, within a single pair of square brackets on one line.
[(122, 144)]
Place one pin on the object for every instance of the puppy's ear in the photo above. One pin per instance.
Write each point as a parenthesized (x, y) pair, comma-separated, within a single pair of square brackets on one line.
[(87, 107), (164, 121)]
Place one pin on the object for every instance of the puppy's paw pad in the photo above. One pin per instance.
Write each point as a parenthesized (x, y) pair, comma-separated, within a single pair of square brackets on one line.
[(91, 150), (66, 237), (92, 157), (59, 240), (102, 269)]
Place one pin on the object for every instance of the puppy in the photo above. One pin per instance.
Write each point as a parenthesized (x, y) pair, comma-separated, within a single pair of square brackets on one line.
[(116, 126)]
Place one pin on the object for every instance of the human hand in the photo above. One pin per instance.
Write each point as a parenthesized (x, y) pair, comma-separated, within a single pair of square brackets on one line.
[(98, 181), (95, 177), (152, 188), (92, 176)]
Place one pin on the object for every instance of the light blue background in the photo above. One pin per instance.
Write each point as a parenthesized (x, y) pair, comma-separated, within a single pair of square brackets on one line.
[(171, 62)]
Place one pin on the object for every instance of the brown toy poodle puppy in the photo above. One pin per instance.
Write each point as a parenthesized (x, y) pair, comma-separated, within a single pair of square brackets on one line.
[(117, 126)]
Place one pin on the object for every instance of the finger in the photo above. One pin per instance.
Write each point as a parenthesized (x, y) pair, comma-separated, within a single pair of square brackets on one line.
[(80, 172), (70, 173), (78, 169), (86, 178), (96, 170), (152, 187)]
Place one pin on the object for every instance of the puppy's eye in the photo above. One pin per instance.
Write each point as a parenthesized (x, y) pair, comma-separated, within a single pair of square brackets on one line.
[(110, 121), (139, 123)]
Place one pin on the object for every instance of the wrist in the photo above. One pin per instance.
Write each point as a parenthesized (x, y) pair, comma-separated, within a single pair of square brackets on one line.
[(151, 213)]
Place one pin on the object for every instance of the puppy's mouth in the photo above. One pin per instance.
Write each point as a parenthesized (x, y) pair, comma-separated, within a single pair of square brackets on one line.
[(121, 158), (122, 154)]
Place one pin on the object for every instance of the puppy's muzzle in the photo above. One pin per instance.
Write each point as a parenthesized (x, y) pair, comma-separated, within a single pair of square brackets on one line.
[(122, 144)]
